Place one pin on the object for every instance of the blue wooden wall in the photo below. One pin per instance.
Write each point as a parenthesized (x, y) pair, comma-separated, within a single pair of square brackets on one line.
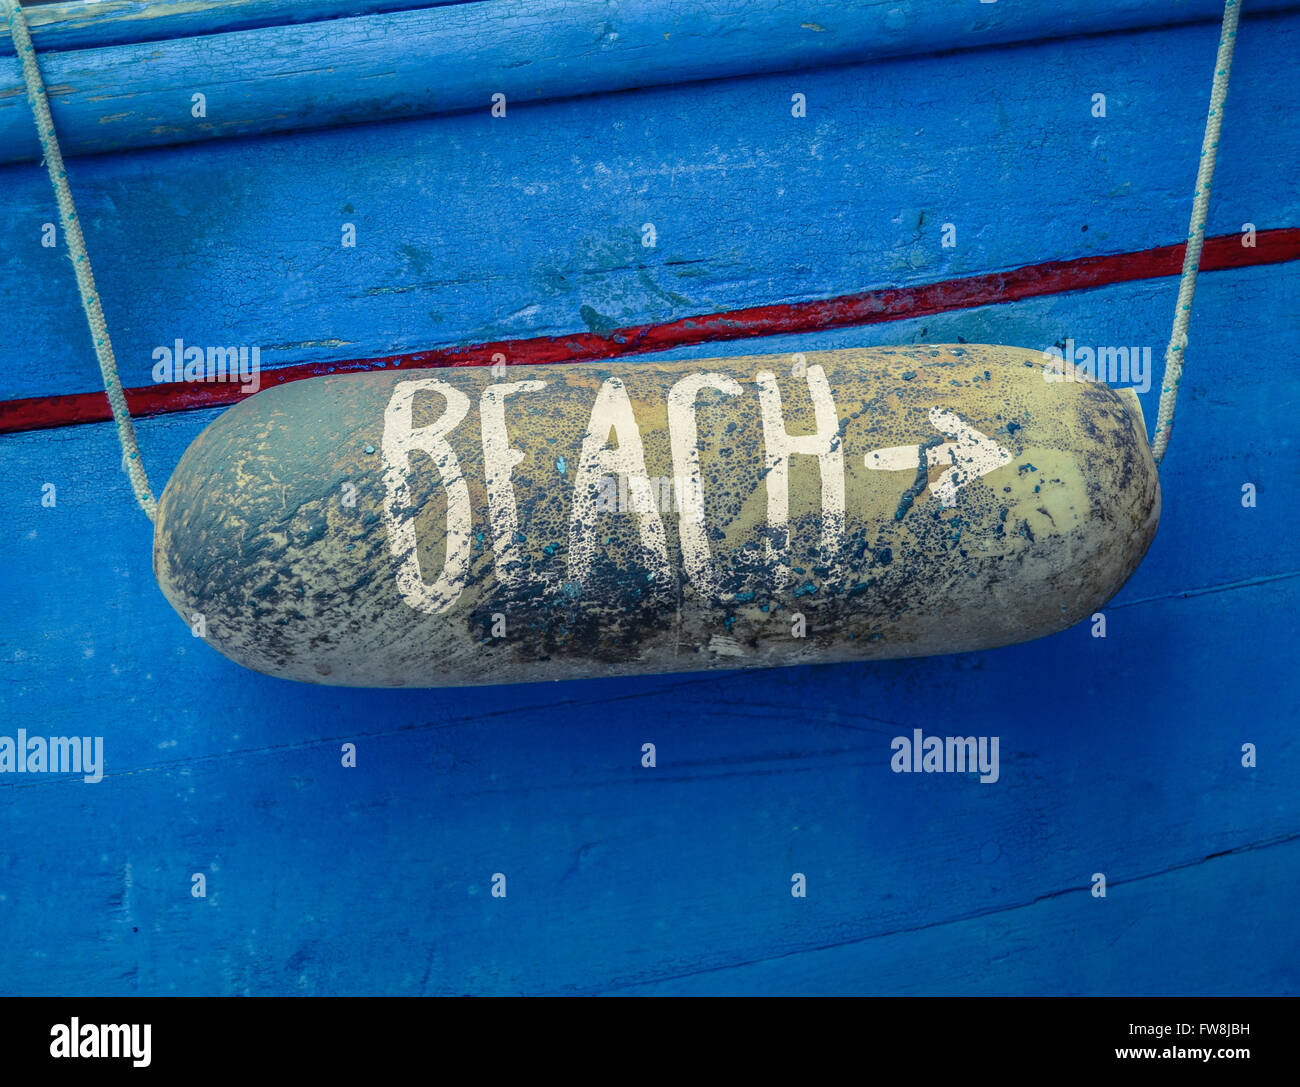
[(1120, 755)]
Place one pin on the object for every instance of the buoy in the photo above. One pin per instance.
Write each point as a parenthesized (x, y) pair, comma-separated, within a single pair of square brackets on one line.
[(460, 526)]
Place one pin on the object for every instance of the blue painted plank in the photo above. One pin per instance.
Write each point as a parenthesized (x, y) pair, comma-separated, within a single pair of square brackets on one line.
[(1208, 930), (473, 229), (77, 24), (326, 880), (456, 57)]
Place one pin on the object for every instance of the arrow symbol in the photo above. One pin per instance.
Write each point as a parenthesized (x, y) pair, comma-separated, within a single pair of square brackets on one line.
[(971, 455)]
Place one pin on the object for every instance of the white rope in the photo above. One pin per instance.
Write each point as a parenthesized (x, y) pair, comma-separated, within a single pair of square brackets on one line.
[(80, 259), (1195, 233)]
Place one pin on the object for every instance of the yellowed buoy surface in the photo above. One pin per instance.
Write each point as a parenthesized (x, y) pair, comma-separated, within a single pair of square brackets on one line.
[(445, 527)]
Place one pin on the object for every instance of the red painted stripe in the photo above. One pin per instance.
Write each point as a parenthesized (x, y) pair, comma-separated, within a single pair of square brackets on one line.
[(867, 308)]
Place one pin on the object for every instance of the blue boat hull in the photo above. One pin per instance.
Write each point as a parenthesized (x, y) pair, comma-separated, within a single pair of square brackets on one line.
[(1127, 755)]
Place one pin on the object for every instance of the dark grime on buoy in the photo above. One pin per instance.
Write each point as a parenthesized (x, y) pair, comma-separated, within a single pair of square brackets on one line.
[(468, 526)]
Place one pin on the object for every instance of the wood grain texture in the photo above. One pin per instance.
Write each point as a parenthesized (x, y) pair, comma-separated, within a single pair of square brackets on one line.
[(76, 24), (456, 57), (789, 318)]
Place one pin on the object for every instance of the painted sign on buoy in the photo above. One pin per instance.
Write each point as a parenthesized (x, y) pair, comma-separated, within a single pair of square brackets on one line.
[(430, 528)]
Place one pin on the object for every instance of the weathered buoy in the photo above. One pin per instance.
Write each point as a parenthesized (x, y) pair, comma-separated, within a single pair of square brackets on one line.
[(431, 528)]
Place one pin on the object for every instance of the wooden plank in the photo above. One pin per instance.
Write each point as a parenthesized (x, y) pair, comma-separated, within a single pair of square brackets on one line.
[(1208, 927), (857, 310), (474, 230), (403, 63), (76, 24)]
